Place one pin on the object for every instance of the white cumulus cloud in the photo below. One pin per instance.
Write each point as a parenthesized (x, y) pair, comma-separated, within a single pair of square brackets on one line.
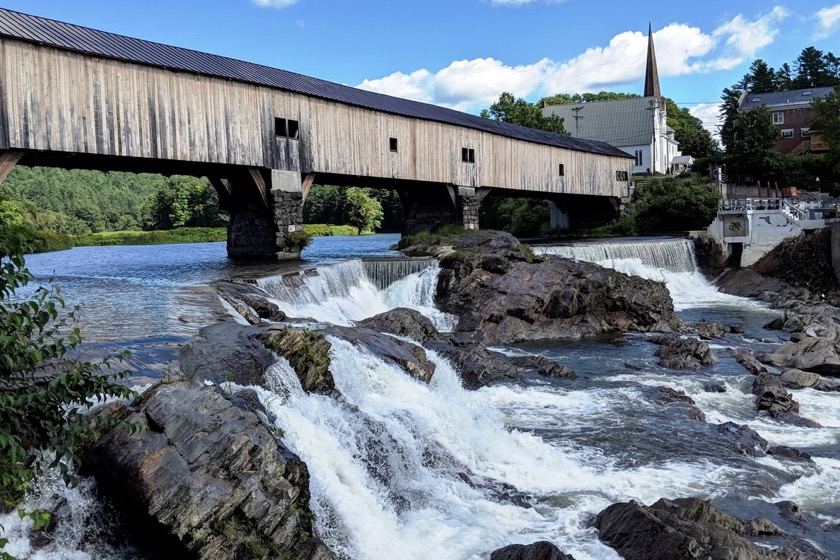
[(828, 21), (681, 49), (279, 4)]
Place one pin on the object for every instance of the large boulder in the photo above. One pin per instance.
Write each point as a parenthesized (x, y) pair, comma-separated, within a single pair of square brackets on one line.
[(684, 353), (558, 298), (249, 301), (410, 357), (815, 354), (226, 351), (476, 365), (404, 322), (308, 352), (541, 550), (208, 473), (798, 379), (688, 528)]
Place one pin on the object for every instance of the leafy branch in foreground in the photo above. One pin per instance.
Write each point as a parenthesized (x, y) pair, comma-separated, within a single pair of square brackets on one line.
[(44, 392)]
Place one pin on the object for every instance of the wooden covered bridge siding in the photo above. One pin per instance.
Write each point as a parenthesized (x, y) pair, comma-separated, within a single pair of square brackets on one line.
[(105, 111)]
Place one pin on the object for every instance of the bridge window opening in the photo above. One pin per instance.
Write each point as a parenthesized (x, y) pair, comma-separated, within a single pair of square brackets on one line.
[(468, 155), (620, 175), (286, 128), (393, 144), (562, 170)]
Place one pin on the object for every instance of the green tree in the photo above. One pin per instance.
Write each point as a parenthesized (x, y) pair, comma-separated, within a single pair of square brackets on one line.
[(728, 114), (761, 77), (812, 69), (784, 78), (694, 140), (751, 148), (827, 114), (518, 111), (184, 201), (523, 217), (44, 393), (567, 99), (362, 210)]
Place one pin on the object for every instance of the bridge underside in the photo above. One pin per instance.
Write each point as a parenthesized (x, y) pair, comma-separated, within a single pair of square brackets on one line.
[(266, 206)]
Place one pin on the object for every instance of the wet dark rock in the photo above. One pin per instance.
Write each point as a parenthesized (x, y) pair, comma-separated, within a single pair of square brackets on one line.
[(736, 328), (633, 367), (404, 322), (250, 302), (543, 366), (747, 440), (772, 397), (783, 452), (559, 298), (815, 354), (685, 528), (476, 365), (798, 379), (410, 357), (667, 395), (308, 352), (683, 353), (542, 550), (706, 330), (714, 388), (747, 359), (208, 473), (226, 351)]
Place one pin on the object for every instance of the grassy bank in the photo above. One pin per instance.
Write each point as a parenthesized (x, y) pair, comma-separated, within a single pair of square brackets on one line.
[(50, 241), (159, 237)]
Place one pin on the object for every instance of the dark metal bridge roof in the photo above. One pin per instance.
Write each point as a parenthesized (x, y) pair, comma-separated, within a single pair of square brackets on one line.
[(109, 45)]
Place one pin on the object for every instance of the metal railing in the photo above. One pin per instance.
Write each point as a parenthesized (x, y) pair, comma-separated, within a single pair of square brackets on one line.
[(750, 204)]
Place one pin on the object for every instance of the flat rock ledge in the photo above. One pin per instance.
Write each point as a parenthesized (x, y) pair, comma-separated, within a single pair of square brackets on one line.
[(542, 550), (207, 473)]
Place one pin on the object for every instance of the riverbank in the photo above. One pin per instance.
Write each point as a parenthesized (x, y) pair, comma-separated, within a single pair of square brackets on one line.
[(47, 241)]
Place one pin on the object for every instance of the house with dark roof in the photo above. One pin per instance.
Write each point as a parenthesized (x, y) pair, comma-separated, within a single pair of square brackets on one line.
[(793, 116), (636, 126)]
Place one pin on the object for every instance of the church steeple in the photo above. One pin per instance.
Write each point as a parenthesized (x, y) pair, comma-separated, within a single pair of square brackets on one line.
[(651, 74)]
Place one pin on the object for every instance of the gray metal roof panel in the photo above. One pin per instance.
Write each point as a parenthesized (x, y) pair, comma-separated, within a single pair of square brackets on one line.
[(776, 99), (109, 45), (620, 122)]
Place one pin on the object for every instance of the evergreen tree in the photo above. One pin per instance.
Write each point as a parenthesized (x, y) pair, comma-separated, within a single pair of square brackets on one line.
[(762, 78), (811, 69), (827, 114)]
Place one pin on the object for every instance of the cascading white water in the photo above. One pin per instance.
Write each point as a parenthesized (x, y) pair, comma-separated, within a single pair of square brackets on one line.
[(343, 292), (665, 260), (403, 469)]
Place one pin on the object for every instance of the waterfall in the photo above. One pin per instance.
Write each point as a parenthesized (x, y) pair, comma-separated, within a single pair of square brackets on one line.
[(350, 291), (667, 260), (384, 272), (675, 255)]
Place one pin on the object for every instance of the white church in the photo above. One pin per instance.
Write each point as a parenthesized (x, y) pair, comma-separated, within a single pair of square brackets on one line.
[(636, 126)]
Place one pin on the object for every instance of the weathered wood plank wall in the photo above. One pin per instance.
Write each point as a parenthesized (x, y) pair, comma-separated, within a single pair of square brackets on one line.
[(63, 101)]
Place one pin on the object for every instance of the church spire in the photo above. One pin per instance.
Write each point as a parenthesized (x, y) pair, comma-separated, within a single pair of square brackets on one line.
[(651, 74)]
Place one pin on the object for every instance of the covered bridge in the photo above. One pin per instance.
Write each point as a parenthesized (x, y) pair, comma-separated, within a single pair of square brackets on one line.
[(76, 97)]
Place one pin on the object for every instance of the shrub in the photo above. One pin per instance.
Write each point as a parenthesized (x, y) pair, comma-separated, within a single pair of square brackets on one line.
[(44, 393)]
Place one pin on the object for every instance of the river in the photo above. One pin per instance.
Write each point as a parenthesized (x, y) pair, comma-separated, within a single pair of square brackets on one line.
[(385, 461)]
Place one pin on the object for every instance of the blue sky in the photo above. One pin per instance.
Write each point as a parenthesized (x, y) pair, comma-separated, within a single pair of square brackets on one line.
[(464, 53)]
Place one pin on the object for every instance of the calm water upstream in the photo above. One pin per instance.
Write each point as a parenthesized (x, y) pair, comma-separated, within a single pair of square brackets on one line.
[(571, 446)]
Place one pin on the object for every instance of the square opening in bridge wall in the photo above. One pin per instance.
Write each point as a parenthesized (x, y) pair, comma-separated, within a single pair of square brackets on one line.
[(392, 143), (468, 155), (286, 128), (562, 170)]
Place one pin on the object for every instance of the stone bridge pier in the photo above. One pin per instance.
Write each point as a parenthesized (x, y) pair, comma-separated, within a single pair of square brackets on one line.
[(266, 210), (433, 208)]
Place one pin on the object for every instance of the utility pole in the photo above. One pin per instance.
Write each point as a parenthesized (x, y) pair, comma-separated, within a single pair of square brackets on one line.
[(577, 117)]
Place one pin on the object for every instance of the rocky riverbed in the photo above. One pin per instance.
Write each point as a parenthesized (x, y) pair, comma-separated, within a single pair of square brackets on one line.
[(207, 469)]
